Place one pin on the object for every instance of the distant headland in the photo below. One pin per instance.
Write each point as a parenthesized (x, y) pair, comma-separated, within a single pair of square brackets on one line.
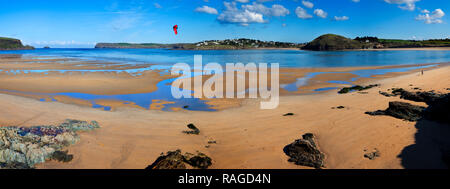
[(227, 44), (13, 44), (333, 42), (327, 42)]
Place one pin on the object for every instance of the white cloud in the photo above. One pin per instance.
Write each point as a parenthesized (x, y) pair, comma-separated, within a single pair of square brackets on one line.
[(157, 5), (320, 13), (301, 13), (341, 18), (206, 9), (434, 18), (276, 10), (404, 4), (356, 1), (425, 11), (236, 16), (242, 1), (308, 4)]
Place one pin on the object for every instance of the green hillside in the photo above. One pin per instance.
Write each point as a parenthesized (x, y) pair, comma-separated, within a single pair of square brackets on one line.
[(332, 42), (12, 44)]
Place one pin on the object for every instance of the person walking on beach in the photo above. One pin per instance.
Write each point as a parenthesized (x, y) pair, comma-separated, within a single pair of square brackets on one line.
[(422, 72)]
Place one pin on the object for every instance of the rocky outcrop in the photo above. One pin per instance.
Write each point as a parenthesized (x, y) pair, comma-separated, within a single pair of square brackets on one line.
[(23, 147), (401, 110), (372, 155), (176, 160), (305, 152), (439, 110), (356, 88), (193, 129), (12, 44), (427, 97)]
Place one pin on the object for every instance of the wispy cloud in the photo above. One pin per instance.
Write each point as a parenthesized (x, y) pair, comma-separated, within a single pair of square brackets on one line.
[(206, 9), (308, 4), (301, 13), (404, 4), (341, 18)]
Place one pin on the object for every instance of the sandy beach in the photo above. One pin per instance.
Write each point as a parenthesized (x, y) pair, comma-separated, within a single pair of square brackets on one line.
[(246, 136)]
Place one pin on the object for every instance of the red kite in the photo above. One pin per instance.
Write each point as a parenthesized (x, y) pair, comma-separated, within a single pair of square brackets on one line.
[(175, 29)]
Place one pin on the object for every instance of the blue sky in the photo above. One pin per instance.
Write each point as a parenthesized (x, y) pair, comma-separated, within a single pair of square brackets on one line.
[(82, 23)]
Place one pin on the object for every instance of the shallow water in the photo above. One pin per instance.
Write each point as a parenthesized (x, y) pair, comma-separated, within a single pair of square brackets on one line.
[(162, 59), (286, 58)]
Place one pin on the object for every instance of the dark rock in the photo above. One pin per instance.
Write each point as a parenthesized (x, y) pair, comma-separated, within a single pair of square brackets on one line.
[(200, 160), (340, 107), (175, 160), (288, 114), (372, 155), (194, 130), (401, 110), (427, 97), (62, 156), (386, 94), (14, 165), (439, 110), (355, 88), (305, 152), (212, 142)]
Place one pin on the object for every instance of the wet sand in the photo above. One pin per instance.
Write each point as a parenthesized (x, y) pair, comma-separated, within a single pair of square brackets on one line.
[(247, 137)]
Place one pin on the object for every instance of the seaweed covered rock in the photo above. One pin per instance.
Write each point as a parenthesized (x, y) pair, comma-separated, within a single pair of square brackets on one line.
[(372, 155), (176, 160), (62, 156), (172, 160), (193, 129), (305, 152), (427, 97), (200, 160), (356, 88), (401, 110), (24, 147), (439, 110)]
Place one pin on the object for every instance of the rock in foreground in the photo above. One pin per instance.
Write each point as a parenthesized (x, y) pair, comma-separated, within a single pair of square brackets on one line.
[(355, 88), (23, 147), (401, 110), (305, 152), (175, 160)]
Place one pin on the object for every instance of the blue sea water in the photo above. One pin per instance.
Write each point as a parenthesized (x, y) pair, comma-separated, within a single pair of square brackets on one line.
[(165, 58), (286, 58)]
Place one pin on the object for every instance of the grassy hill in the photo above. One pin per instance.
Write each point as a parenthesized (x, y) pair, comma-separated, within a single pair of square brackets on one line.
[(12, 44), (332, 42)]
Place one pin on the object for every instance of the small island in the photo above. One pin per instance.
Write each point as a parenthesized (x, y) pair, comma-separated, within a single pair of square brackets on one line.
[(13, 44)]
